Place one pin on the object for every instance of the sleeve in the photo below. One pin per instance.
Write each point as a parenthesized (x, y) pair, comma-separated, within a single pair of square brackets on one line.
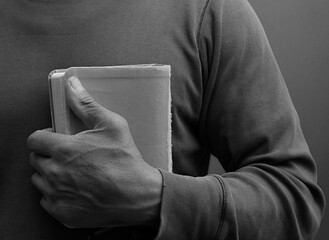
[(269, 190)]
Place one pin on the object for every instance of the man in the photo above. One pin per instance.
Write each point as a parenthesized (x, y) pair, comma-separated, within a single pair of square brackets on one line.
[(229, 100)]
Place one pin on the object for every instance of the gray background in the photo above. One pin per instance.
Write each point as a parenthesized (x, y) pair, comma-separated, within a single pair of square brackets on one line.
[(298, 31)]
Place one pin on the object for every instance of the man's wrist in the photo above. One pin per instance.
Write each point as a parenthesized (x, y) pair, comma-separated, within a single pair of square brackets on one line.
[(152, 194)]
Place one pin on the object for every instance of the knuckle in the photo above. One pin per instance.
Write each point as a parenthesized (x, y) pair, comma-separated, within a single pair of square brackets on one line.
[(86, 101), (35, 179), (52, 173), (62, 149), (56, 150), (118, 127), (59, 147), (47, 205), (119, 122), (36, 162), (32, 139), (43, 203)]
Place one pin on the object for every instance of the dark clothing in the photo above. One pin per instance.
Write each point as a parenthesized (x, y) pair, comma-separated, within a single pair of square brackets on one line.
[(229, 99)]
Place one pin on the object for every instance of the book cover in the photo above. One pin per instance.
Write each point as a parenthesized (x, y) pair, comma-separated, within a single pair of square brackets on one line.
[(139, 93)]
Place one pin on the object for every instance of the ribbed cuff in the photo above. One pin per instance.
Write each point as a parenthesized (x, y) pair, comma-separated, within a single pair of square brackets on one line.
[(191, 207)]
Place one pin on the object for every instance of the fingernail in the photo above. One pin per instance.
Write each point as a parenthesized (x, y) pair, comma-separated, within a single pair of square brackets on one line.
[(76, 84)]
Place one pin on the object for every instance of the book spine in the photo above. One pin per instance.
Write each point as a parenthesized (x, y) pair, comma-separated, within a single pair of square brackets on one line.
[(57, 101)]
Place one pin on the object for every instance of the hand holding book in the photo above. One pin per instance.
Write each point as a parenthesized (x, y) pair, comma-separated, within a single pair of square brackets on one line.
[(139, 93), (95, 178)]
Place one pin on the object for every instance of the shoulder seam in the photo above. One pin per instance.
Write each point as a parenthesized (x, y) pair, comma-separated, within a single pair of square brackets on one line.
[(204, 9)]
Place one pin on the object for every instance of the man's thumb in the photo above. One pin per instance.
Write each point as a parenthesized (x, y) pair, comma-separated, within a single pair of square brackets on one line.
[(82, 104)]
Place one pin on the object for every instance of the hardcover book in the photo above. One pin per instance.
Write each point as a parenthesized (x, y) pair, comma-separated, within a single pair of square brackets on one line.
[(139, 93)]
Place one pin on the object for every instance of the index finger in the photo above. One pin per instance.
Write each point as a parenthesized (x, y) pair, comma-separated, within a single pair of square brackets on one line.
[(43, 141)]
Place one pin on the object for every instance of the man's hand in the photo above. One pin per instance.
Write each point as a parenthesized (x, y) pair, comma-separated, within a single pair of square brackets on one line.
[(96, 178)]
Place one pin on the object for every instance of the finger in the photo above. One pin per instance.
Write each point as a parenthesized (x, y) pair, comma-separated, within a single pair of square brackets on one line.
[(50, 207), (88, 110), (43, 142), (35, 160), (43, 165), (46, 204), (83, 105), (41, 183)]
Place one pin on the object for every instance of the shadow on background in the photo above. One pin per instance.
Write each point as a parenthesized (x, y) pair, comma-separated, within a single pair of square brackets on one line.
[(298, 31)]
